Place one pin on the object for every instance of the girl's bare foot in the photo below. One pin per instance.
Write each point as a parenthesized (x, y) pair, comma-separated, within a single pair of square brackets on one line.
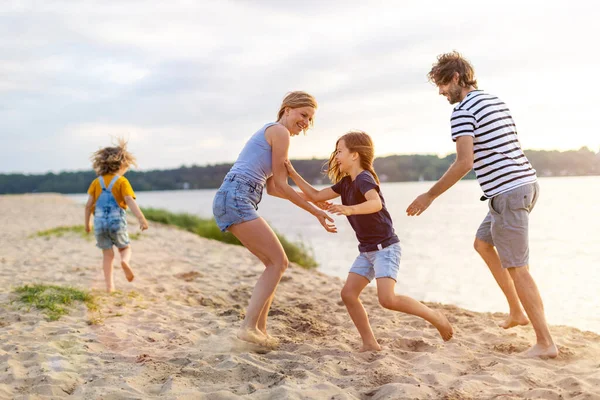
[(514, 320), (128, 271), (252, 336), (370, 347), (541, 351), (443, 326)]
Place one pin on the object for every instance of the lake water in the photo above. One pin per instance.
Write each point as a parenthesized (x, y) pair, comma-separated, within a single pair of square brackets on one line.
[(438, 261)]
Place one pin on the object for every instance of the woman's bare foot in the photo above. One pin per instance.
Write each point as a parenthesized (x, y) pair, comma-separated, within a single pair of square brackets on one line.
[(252, 336), (514, 320), (443, 326), (541, 351), (370, 347), (128, 271)]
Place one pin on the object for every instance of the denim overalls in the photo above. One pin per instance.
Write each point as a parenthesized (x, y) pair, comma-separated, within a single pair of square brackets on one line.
[(110, 224)]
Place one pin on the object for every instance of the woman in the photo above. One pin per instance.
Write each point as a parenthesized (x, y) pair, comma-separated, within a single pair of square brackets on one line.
[(262, 163)]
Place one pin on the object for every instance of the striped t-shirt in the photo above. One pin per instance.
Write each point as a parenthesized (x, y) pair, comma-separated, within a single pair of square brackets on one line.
[(498, 160)]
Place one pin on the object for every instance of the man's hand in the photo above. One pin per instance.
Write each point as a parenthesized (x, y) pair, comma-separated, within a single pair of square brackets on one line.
[(420, 204)]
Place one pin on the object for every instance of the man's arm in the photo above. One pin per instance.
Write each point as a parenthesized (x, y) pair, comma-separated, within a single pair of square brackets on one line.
[(459, 168)]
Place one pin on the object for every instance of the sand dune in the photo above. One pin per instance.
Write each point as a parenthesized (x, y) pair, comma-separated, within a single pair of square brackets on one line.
[(171, 332)]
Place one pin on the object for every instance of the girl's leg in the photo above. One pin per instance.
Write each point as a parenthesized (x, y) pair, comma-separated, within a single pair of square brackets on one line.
[(390, 300), (108, 256), (352, 289), (260, 239), (125, 253)]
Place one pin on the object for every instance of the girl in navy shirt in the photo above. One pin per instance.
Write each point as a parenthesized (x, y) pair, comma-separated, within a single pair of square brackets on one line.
[(351, 170)]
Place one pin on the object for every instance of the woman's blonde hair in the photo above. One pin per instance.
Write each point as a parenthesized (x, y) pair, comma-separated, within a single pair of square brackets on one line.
[(296, 100), (110, 160), (356, 142)]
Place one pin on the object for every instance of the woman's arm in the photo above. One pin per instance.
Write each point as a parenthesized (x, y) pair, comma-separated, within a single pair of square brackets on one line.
[(312, 194), (280, 143)]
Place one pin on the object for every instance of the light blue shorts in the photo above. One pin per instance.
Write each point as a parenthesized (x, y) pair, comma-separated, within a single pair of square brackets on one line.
[(236, 201), (111, 232), (378, 264)]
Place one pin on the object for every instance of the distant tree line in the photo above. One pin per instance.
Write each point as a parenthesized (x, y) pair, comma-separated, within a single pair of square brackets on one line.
[(397, 168)]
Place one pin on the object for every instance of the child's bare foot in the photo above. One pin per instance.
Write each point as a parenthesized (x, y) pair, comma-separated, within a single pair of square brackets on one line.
[(514, 320), (271, 340), (110, 289), (128, 271), (443, 326), (369, 347), (252, 336)]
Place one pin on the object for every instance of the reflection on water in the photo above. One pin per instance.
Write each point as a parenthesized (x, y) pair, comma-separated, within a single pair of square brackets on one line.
[(438, 261)]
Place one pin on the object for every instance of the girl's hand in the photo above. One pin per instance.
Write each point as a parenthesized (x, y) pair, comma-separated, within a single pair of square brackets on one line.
[(326, 221), (323, 205), (290, 168), (143, 225), (88, 229), (340, 209)]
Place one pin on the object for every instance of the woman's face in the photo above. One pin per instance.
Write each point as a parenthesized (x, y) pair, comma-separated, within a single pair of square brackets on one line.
[(298, 119)]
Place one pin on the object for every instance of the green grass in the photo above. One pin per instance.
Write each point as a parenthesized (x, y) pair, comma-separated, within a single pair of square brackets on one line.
[(297, 252), (54, 300), (62, 230)]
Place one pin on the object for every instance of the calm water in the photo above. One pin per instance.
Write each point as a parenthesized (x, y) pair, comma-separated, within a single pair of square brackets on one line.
[(438, 261)]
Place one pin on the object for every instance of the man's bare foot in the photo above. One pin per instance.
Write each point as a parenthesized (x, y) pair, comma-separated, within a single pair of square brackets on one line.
[(443, 326), (370, 347), (128, 271), (541, 351), (514, 320), (252, 336)]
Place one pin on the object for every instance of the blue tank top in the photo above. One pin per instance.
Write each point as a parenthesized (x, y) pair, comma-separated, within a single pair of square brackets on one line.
[(255, 160)]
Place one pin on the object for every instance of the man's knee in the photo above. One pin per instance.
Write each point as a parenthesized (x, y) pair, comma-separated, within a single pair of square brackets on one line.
[(518, 272), (481, 246)]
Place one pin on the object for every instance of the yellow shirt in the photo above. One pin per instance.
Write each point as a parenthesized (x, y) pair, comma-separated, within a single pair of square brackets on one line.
[(120, 189)]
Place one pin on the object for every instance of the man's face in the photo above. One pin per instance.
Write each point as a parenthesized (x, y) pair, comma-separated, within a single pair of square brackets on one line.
[(452, 91)]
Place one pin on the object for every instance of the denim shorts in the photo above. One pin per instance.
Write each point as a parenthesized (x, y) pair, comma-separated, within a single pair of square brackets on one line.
[(111, 232), (236, 201), (382, 263), (506, 225)]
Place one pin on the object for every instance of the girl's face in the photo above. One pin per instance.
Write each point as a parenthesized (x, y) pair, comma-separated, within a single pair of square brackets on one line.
[(344, 158), (298, 119)]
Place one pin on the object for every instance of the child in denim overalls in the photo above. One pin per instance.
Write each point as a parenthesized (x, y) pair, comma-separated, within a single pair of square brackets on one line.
[(109, 196)]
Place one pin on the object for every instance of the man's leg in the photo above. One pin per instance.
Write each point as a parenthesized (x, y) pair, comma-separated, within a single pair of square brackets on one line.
[(483, 245), (534, 307)]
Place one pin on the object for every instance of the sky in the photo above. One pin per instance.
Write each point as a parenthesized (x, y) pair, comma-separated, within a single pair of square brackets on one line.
[(188, 82)]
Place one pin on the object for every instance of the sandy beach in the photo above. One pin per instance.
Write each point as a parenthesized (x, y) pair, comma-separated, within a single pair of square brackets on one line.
[(171, 332)]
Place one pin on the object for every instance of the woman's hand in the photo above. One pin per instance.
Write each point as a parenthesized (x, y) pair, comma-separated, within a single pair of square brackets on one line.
[(326, 221), (340, 209), (323, 205)]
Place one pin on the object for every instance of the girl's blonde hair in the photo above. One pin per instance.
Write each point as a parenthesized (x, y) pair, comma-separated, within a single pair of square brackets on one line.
[(296, 100), (110, 160), (356, 142)]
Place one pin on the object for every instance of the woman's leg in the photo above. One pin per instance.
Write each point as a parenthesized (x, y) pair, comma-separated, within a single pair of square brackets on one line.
[(259, 238), (390, 300), (352, 289)]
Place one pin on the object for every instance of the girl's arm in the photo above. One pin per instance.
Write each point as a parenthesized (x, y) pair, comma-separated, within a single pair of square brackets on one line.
[(88, 213), (312, 194), (132, 204), (280, 143), (372, 205)]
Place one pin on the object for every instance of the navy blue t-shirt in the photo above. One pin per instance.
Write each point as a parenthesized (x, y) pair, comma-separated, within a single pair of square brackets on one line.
[(371, 229)]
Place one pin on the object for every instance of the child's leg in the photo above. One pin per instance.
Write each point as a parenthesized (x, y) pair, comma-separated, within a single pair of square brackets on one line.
[(108, 256), (352, 289), (125, 253), (390, 300)]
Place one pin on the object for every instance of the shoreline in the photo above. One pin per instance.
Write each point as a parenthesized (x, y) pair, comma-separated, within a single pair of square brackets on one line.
[(171, 332)]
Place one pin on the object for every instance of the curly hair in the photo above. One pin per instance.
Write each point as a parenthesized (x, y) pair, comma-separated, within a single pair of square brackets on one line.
[(356, 142), (447, 65), (110, 160)]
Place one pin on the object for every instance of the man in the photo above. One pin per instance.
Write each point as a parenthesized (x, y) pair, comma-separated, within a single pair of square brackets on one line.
[(486, 140)]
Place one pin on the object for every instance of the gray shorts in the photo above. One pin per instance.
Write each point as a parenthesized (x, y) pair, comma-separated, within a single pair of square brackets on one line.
[(506, 226)]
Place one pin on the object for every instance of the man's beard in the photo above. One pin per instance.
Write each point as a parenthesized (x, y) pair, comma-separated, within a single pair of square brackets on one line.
[(454, 94)]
